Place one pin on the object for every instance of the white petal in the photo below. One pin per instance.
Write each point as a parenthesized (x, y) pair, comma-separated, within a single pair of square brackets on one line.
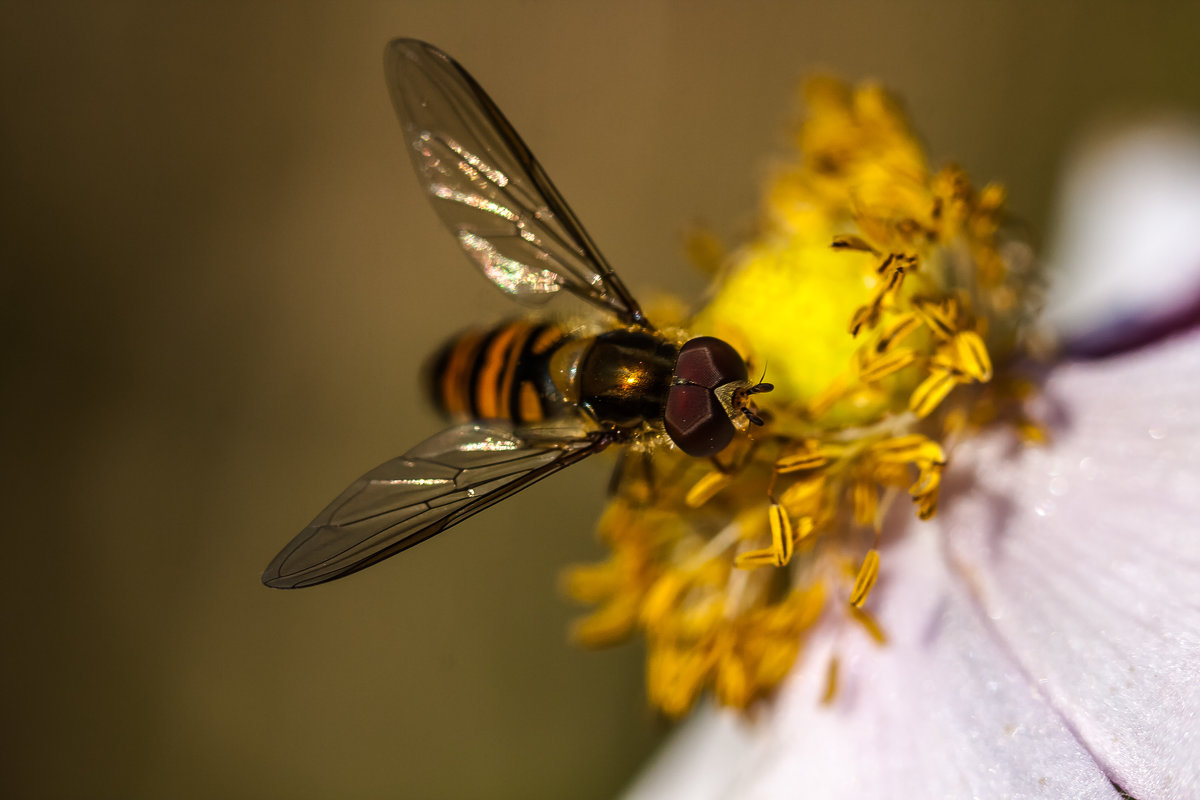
[(1127, 241), (1086, 557), (939, 712), (703, 759)]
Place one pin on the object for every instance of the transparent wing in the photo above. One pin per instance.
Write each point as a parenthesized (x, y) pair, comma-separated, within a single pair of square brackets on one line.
[(490, 191), (437, 484)]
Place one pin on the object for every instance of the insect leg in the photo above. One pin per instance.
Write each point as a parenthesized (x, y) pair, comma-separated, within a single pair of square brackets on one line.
[(634, 475)]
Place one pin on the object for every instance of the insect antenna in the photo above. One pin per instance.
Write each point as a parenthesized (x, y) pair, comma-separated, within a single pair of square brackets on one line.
[(761, 386), (750, 415)]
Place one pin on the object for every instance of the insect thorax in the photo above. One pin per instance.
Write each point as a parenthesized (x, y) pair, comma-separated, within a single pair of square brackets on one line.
[(624, 377)]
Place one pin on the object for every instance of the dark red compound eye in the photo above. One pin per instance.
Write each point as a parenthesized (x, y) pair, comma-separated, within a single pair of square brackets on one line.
[(694, 417), (709, 362)]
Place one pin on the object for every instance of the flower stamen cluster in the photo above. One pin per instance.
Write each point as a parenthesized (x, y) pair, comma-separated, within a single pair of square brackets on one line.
[(879, 296)]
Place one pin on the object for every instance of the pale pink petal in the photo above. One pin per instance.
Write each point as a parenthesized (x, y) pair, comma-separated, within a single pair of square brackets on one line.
[(940, 712), (1127, 258), (1086, 557), (703, 759)]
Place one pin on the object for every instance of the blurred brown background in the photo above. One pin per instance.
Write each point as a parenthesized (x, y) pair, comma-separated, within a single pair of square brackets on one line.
[(219, 278)]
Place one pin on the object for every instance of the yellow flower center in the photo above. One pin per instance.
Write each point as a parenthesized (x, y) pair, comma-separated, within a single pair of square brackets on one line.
[(785, 306)]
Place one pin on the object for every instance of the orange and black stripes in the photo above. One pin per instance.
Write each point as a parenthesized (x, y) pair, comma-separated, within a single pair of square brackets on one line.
[(499, 374)]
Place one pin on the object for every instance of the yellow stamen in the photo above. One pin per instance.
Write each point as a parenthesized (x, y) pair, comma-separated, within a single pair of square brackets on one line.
[(913, 448), (896, 330), (939, 319), (592, 583), (705, 250), (781, 534), (1032, 432), (866, 578), (704, 489), (928, 480), (813, 454), (932, 391), (875, 369), (831, 682), (926, 505), (851, 242), (733, 684), (804, 497), (804, 529), (609, 625), (973, 356), (866, 501), (661, 599), (868, 623)]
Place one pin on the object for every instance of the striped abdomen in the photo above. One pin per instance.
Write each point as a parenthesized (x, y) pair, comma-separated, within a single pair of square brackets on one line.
[(502, 373)]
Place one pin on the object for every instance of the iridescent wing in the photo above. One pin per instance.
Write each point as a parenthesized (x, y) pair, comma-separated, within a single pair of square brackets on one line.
[(490, 191), (439, 483)]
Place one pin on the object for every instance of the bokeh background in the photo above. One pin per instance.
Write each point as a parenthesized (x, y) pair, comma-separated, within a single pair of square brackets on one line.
[(219, 279)]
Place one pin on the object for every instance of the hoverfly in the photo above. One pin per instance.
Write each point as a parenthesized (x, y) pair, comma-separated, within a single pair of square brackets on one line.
[(540, 397)]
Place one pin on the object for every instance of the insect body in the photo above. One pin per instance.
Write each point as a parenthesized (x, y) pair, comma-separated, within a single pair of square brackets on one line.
[(622, 379), (536, 396)]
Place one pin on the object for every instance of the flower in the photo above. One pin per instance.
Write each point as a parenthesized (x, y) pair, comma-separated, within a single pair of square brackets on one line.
[(1043, 628), (1036, 636)]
